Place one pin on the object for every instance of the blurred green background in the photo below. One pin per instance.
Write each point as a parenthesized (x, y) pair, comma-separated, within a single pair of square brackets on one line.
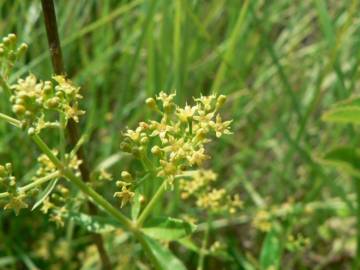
[(282, 64)]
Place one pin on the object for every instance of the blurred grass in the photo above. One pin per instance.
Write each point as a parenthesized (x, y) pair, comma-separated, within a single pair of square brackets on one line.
[(281, 63)]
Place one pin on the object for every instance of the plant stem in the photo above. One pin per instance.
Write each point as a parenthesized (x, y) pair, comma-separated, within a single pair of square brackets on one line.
[(33, 184), (10, 120), (149, 207), (357, 254), (203, 250), (96, 197), (58, 66)]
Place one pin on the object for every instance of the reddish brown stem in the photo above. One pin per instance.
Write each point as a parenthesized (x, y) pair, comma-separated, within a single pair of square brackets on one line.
[(58, 66)]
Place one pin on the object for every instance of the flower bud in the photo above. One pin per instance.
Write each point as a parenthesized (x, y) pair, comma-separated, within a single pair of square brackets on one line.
[(12, 38), (169, 108), (8, 167), (151, 103), (12, 56), (31, 131), (18, 109), (28, 113), (220, 101), (125, 147), (126, 176), (47, 88), (59, 94), (6, 41), (156, 150), (143, 125), (21, 50), (53, 102), (136, 151), (121, 184), (144, 140), (2, 171)]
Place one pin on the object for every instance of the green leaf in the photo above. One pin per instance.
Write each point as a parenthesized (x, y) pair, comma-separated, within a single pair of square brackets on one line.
[(96, 224), (345, 158), (165, 228), (45, 193), (189, 244), (161, 256), (343, 114), (271, 251), (136, 206)]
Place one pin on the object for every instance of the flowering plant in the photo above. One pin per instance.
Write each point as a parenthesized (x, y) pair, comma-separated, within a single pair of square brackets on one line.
[(171, 149)]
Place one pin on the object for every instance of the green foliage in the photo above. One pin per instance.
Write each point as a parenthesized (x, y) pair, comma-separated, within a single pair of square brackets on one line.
[(282, 65), (271, 250), (163, 256), (166, 228), (345, 158)]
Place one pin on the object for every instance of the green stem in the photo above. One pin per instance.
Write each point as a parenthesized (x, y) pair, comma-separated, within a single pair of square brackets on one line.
[(96, 197), (10, 120), (33, 184), (5, 86), (357, 255), (149, 207), (203, 251)]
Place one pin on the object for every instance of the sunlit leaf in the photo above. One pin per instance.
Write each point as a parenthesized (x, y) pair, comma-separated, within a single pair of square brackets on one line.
[(343, 114)]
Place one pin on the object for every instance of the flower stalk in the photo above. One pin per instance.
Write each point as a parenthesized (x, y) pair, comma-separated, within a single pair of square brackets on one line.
[(150, 206)]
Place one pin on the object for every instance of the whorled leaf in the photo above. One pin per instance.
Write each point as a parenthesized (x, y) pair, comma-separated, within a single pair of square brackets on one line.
[(96, 224), (162, 256), (166, 228), (345, 158)]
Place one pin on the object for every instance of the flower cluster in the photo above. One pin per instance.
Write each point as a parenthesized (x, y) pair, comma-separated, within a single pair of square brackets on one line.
[(47, 166), (198, 184), (55, 205), (9, 53), (265, 218), (176, 142), (124, 184), (32, 100), (15, 198)]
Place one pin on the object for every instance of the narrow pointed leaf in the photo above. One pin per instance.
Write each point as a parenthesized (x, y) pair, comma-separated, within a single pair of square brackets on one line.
[(45, 193), (161, 256), (271, 251), (135, 208)]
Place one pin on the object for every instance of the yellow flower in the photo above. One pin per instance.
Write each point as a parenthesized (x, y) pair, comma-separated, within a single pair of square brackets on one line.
[(204, 120), (198, 157), (221, 127), (206, 101), (160, 129), (16, 203), (186, 113), (134, 135), (125, 195), (167, 100)]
